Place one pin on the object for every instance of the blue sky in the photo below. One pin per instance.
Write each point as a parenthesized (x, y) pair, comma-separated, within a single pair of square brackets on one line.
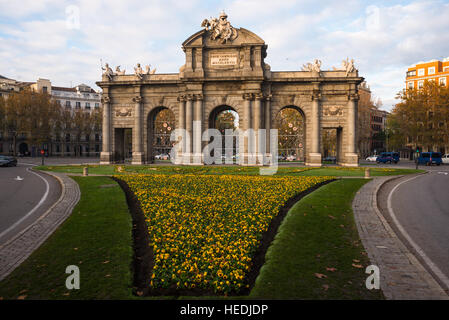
[(40, 38)]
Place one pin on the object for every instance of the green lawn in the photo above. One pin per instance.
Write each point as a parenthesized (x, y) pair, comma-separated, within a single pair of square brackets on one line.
[(97, 238), (318, 233), (240, 170), (318, 238)]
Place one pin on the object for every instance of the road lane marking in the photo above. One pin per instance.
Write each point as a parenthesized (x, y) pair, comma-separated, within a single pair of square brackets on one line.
[(438, 273), (47, 189)]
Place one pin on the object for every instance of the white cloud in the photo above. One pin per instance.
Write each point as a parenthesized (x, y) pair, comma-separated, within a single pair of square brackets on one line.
[(384, 39)]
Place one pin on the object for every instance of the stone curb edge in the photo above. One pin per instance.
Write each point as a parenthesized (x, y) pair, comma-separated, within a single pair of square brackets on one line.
[(412, 258), (70, 194)]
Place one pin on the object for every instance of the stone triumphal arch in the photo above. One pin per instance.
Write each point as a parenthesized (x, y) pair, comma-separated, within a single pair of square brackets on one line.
[(225, 68)]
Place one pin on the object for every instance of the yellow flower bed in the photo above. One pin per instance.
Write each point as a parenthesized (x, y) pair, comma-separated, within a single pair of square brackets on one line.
[(205, 229)]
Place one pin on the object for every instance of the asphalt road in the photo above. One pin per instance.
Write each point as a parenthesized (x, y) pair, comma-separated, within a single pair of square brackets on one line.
[(24, 201), (421, 206)]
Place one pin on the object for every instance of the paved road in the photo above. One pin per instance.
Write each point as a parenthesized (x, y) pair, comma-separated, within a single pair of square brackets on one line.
[(421, 206), (22, 202)]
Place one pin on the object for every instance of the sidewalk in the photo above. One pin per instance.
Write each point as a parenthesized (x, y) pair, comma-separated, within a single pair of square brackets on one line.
[(19, 248), (402, 277)]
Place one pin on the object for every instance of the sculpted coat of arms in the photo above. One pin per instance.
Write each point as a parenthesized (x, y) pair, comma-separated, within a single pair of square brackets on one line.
[(220, 29)]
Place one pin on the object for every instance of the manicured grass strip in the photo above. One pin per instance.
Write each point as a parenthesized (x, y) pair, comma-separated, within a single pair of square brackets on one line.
[(228, 170), (97, 238), (317, 253)]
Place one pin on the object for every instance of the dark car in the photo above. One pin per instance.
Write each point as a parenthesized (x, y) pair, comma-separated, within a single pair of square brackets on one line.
[(7, 161), (390, 157), (330, 159), (429, 158)]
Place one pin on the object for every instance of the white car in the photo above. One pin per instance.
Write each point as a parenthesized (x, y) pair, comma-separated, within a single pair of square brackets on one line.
[(372, 158), (445, 158)]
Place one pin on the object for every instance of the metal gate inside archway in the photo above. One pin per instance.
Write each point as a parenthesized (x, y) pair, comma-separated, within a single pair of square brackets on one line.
[(161, 125), (226, 120), (291, 143)]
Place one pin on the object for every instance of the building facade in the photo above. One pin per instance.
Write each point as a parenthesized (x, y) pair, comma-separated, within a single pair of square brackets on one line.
[(81, 97), (225, 70), (433, 70)]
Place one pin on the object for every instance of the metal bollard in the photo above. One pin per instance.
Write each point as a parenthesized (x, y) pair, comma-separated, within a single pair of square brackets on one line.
[(367, 173), (85, 171)]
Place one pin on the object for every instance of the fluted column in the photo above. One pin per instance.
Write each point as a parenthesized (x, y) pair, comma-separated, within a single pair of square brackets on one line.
[(189, 120), (351, 157), (257, 120), (137, 131), (106, 154), (268, 125), (314, 157), (246, 125), (197, 121), (181, 126)]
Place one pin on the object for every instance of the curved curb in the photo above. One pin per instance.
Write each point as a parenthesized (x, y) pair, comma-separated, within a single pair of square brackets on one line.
[(20, 247), (402, 277)]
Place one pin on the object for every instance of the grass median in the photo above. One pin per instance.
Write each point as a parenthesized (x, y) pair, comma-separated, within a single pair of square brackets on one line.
[(97, 237), (317, 252)]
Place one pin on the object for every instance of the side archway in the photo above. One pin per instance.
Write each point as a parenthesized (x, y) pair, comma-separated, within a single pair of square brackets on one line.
[(291, 124), (161, 123)]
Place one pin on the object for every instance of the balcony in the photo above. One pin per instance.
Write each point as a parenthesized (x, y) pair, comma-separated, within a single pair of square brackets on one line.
[(411, 73)]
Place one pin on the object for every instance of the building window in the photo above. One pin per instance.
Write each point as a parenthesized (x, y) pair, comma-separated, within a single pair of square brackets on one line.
[(67, 137), (420, 84), (411, 73), (97, 105), (97, 137), (44, 89), (411, 85), (77, 105), (87, 105), (67, 104), (58, 102), (431, 70), (421, 72), (445, 69), (443, 81)]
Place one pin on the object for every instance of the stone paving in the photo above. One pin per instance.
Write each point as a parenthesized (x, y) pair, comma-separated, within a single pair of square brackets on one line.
[(402, 277), (17, 249)]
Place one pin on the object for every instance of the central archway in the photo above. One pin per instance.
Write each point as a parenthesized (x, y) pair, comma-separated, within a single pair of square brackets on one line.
[(290, 122), (161, 123), (225, 118)]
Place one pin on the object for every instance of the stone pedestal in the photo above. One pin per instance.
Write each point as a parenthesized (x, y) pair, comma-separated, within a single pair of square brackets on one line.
[(314, 160), (350, 160), (138, 158), (105, 157)]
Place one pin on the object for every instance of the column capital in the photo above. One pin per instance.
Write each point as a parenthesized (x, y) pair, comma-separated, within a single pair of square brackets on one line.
[(189, 97), (248, 96), (137, 99), (258, 96), (181, 98), (105, 99), (316, 95), (353, 96), (268, 97), (198, 96)]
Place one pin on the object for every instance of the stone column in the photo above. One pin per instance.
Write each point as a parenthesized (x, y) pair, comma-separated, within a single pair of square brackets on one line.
[(197, 133), (189, 120), (257, 120), (246, 124), (268, 126), (181, 126), (314, 158), (106, 154), (351, 157), (137, 131)]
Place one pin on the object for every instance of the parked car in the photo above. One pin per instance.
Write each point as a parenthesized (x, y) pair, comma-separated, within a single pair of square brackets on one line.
[(429, 158), (390, 157), (330, 159), (291, 158), (372, 158), (7, 161), (445, 158)]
